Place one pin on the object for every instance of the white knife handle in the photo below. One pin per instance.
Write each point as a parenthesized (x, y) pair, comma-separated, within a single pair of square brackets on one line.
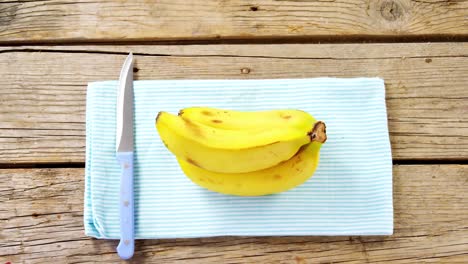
[(126, 246)]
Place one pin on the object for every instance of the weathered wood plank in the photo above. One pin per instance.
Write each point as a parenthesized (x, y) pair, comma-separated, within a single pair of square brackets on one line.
[(41, 222), (68, 20), (42, 110)]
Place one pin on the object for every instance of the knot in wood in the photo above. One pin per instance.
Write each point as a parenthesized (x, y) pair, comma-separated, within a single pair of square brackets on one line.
[(391, 10), (245, 70)]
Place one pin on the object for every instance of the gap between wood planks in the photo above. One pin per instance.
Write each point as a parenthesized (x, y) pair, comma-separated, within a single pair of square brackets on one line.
[(57, 165), (38, 49), (64, 165), (368, 39)]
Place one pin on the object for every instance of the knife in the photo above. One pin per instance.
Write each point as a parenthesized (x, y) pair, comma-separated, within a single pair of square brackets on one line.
[(124, 155)]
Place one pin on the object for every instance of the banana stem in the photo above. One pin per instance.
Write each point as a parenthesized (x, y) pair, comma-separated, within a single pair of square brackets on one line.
[(318, 132)]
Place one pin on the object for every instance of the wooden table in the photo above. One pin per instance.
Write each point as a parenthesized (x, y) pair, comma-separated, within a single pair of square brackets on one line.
[(50, 50)]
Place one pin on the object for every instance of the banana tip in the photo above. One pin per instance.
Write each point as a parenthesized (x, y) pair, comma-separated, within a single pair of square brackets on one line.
[(157, 117)]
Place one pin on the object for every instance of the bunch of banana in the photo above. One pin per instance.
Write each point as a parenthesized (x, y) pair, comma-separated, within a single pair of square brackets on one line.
[(243, 153)]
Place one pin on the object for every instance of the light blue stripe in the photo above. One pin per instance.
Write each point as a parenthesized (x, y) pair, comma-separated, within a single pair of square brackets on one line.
[(280, 223), (350, 193), (171, 223), (201, 212), (314, 183), (325, 200), (318, 206)]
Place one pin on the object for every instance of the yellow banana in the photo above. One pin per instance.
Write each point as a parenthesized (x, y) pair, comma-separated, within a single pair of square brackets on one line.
[(230, 119), (213, 149), (279, 178), (230, 139)]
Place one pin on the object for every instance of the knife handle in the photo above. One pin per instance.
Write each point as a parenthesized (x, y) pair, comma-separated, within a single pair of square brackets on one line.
[(126, 246)]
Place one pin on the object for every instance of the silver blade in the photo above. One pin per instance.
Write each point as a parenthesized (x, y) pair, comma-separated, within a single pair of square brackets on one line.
[(124, 134)]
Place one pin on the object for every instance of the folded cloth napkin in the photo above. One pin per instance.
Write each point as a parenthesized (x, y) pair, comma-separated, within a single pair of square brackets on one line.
[(350, 193)]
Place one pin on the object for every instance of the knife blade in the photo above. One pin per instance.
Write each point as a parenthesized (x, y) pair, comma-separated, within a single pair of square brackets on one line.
[(124, 155)]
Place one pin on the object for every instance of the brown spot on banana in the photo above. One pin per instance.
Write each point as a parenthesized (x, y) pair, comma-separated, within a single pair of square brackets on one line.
[(194, 127), (191, 161), (318, 132), (277, 177), (286, 116), (297, 156), (299, 159), (217, 121), (207, 113)]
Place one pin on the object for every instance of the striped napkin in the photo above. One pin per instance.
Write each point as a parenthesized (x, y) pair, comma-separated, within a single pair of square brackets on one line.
[(350, 193)]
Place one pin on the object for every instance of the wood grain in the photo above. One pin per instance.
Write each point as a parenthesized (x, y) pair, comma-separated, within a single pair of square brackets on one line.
[(81, 21), (41, 222), (42, 110)]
